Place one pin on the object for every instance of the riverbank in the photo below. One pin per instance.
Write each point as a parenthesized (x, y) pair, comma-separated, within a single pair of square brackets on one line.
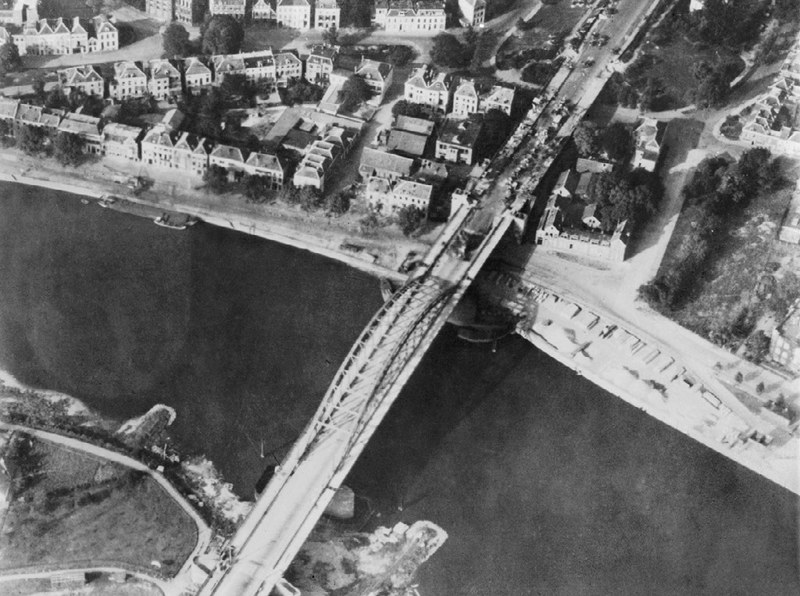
[(380, 255), (646, 375)]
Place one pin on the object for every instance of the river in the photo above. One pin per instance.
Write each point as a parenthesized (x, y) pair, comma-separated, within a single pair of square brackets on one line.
[(545, 483)]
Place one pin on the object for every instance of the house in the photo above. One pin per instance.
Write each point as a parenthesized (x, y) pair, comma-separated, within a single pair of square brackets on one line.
[(129, 81), (385, 196), (196, 75), (234, 8), (8, 113), (267, 166), (591, 216), (164, 79), (458, 139), (774, 120), (173, 119), (260, 66), (106, 35), (561, 229), (18, 12), (419, 126), (649, 138), (407, 16), (384, 165), (64, 37), (566, 184), (121, 141), (158, 147), (295, 14), (499, 98), (161, 10), (584, 184), (262, 11), (87, 128), (378, 76), (594, 166), (227, 64), (473, 12), (228, 158), (320, 63), (465, 99), (316, 163), (432, 172), (326, 14), (695, 5), (190, 154), (83, 78), (407, 143), (287, 66), (426, 87), (784, 347)]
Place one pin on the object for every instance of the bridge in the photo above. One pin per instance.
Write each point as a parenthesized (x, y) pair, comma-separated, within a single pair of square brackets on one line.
[(392, 344)]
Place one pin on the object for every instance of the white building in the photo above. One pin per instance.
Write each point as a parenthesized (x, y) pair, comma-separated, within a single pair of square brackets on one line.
[(499, 98), (287, 66), (473, 12), (196, 75), (326, 14), (121, 141), (57, 36), (649, 137), (465, 99), (262, 11), (129, 81), (403, 16), (378, 75), (158, 147), (319, 64), (267, 166), (426, 87), (84, 78), (191, 154), (295, 14), (164, 79), (234, 8)]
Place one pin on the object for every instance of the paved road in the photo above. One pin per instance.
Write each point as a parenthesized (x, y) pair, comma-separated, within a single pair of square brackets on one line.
[(203, 531)]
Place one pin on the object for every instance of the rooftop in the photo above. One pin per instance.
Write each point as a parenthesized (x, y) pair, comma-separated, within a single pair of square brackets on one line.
[(462, 132)]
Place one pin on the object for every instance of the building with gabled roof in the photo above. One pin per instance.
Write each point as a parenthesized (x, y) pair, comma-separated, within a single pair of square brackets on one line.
[(84, 78), (88, 128), (263, 11), (427, 87), (385, 196), (567, 183), (294, 13), (774, 120), (326, 14), (287, 66), (60, 36), (227, 64), (196, 75), (407, 143), (268, 166), (129, 81), (158, 147), (419, 126), (384, 165), (408, 16), (458, 139), (649, 137), (499, 98), (121, 141), (190, 154), (378, 76), (465, 99), (8, 109), (227, 157), (320, 63), (164, 79)]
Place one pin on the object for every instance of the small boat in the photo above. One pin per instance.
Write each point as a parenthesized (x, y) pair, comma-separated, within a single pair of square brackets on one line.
[(175, 221), (106, 201), (85, 201)]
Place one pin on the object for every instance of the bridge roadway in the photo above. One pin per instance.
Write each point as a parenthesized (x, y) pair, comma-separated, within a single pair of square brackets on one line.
[(381, 361)]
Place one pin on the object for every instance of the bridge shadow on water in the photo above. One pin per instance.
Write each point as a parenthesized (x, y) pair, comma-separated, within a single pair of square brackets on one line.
[(452, 380)]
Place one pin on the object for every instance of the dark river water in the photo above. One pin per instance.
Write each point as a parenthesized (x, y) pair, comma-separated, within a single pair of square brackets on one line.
[(545, 483)]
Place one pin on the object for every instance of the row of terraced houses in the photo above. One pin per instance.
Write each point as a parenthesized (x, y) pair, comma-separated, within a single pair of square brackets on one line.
[(164, 145), (162, 78), (297, 14), (59, 36)]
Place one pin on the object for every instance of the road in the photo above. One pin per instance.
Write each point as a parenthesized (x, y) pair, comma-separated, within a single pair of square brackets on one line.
[(203, 531)]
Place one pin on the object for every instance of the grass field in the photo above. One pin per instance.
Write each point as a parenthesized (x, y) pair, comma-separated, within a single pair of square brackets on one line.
[(753, 270), (552, 19), (260, 35), (79, 509)]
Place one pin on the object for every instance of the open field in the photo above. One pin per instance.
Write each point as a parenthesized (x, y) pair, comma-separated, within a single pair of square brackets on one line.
[(259, 36), (75, 509), (752, 271), (551, 19)]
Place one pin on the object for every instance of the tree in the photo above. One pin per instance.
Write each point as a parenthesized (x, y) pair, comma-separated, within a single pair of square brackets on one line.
[(400, 55), (448, 51), (257, 189), (221, 34), (331, 36), (9, 58), (38, 89), (403, 107), (68, 148), (31, 139), (300, 91), (410, 219), (338, 203), (585, 137), (176, 41), (216, 178), (356, 13), (355, 91), (617, 141), (6, 133)]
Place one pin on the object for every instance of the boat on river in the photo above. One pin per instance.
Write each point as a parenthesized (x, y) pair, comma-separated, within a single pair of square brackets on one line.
[(175, 221), (107, 200)]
